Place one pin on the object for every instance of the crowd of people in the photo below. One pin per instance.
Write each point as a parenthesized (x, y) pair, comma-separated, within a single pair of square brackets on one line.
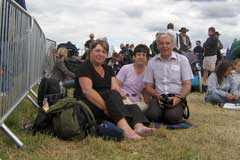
[(142, 84)]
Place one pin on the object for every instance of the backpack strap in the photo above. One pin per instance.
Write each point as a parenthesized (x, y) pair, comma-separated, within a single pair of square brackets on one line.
[(91, 126), (186, 112)]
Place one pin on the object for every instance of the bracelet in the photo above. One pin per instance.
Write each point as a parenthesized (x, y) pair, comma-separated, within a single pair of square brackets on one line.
[(179, 96)]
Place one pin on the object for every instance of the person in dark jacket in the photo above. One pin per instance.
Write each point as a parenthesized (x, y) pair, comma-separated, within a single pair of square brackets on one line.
[(199, 52), (153, 46), (184, 40), (22, 3), (210, 55), (220, 46)]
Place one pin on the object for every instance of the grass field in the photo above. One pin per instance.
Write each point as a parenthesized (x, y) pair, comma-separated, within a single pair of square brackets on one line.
[(215, 136)]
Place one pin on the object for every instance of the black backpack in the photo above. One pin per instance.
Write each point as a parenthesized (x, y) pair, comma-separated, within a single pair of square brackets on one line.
[(49, 88), (73, 64), (67, 119), (72, 49)]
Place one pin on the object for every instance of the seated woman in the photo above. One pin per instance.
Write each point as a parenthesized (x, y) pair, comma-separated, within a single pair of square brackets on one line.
[(221, 86), (130, 78), (236, 72), (60, 72), (97, 86)]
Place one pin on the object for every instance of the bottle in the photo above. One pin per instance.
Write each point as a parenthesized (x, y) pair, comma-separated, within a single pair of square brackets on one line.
[(62, 89), (45, 106)]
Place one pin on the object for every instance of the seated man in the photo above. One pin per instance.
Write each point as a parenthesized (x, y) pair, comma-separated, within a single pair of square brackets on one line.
[(168, 73)]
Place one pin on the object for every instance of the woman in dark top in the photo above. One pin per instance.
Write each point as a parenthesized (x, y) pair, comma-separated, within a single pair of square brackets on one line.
[(97, 86)]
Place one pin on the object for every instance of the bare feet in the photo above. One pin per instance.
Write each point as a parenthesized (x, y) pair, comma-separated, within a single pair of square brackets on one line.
[(131, 135), (143, 130)]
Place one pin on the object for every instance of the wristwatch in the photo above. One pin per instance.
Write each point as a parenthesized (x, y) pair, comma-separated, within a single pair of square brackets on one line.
[(179, 96)]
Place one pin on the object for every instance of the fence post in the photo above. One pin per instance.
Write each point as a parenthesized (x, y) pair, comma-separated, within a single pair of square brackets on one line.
[(11, 135), (22, 51)]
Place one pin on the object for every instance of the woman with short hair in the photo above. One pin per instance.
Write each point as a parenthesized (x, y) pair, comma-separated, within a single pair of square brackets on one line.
[(130, 78)]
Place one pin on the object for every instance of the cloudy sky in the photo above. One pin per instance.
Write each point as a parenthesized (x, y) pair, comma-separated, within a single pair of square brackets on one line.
[(134, 21)]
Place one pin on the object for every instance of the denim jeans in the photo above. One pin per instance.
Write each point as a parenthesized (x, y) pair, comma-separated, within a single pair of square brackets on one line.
[(217, 99), (69, 84)]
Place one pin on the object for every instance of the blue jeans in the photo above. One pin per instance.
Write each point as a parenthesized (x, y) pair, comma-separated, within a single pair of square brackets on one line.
[(69, 84), (217, 99)]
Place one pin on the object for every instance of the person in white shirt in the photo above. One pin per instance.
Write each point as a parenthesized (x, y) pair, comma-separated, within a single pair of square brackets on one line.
[(170, 30)]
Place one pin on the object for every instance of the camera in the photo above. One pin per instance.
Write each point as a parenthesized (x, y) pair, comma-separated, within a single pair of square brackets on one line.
[(166, 101)]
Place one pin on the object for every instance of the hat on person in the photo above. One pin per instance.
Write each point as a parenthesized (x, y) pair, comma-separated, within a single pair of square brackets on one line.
[(183, 29)]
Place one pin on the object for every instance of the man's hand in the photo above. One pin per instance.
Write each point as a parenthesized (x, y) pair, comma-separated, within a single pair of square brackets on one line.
[(176, 100)]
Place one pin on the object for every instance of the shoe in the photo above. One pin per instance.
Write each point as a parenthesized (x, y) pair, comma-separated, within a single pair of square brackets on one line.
[(204, 88)]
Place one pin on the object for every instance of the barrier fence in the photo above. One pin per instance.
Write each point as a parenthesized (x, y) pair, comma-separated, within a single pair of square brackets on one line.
[(24, 51)]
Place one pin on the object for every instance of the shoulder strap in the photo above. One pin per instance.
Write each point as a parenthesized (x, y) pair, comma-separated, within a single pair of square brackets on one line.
[(91, 126), (177, 40)]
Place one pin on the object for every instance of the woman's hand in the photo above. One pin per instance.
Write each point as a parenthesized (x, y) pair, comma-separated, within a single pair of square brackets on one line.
[(229, 96)]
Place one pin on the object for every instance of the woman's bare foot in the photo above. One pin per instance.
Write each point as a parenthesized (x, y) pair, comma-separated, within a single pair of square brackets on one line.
[(131, 135), (143, 130)]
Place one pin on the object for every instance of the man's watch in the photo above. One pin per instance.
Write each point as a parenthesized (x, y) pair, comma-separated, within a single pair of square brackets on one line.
[(179, 96)]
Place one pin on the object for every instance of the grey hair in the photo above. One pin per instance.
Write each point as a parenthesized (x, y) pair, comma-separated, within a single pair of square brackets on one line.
[(165, 34)]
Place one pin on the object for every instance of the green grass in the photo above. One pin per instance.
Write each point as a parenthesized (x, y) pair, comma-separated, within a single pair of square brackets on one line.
[(215, 136)]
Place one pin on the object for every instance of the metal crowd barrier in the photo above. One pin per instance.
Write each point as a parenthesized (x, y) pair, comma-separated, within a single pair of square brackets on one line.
[(24, 50), (81, 52)]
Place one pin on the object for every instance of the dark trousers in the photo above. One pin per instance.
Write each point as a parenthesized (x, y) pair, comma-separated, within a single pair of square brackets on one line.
[(117, 110), (158, 113)]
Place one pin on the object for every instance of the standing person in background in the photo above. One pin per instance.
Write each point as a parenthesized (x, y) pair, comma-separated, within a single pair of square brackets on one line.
[(184, 40), (199, 52), (87, 46), (153, 46), (88, 42), (170, 29), (167, 75), (130, 78), (131, 49), (220, 46), (210, 55), (111, 47)]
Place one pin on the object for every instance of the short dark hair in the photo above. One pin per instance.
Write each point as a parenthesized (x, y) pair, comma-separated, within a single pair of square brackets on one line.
[(212, 29), (141, 48), (198, 41), (170, 26)]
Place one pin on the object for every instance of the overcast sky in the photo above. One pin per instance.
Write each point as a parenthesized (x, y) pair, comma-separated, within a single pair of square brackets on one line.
[(134, 21)]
